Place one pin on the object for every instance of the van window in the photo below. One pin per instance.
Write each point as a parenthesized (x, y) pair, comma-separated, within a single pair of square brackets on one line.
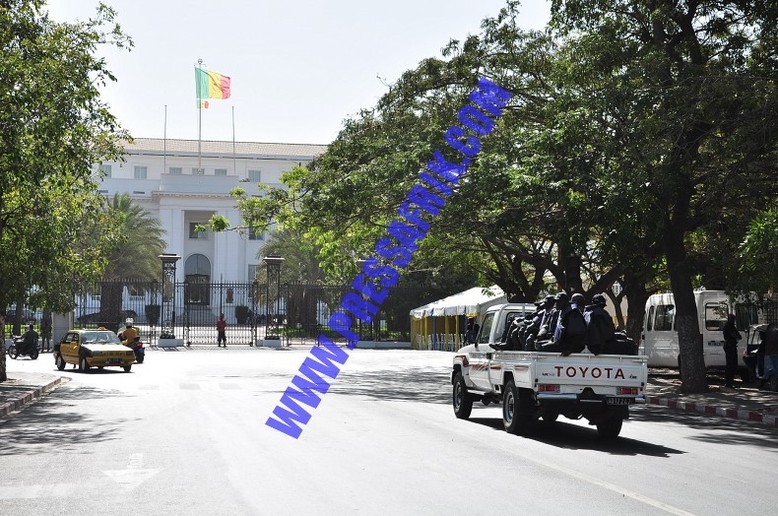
[(716, 315), (664, 317), (650, 318), (486, 329)]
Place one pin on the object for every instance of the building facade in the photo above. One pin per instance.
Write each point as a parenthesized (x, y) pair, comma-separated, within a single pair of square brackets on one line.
[(185, 182)]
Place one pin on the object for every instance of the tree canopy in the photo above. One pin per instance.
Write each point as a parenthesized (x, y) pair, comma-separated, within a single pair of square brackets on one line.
[(639, 144), (53, 129)]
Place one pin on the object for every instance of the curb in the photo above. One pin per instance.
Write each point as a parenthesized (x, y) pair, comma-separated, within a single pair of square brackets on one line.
[(704, 408), (28, 397)]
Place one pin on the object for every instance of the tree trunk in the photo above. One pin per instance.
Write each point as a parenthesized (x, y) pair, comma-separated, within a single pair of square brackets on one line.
[(637, 295), (692, 363), (3, 374), (19, 320)]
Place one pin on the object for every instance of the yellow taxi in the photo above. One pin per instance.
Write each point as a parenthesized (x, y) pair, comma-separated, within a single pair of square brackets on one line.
[(92, 348)]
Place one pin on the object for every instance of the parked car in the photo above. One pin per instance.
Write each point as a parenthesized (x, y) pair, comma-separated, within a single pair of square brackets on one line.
[(92, 348), (97, 317)]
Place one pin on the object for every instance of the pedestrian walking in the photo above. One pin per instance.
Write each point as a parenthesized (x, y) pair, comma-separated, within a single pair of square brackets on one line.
[(731, 336), (221, 330)]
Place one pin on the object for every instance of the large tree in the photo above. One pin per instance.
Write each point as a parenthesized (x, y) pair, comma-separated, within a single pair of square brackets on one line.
[(700, 78), (133, 243), (628, 139), (53, 128)]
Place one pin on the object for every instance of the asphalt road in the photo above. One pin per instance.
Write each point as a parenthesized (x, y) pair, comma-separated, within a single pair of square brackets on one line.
[(184, 433)]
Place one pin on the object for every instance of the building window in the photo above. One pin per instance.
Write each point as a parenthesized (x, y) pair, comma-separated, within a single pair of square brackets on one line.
[(105, 170), (176, 171), (197, 235), (253, 272), (220, 172), (255, 176), (256, 235), (198, 171), (141, 172)]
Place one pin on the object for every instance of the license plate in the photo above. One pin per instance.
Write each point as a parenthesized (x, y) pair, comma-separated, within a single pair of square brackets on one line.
[(114, 361), (619, 401)]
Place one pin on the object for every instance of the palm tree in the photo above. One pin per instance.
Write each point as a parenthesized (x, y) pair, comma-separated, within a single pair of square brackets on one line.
[(134, 255)]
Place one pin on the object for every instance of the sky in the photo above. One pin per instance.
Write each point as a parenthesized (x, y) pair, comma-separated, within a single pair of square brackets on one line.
[(298, 68)]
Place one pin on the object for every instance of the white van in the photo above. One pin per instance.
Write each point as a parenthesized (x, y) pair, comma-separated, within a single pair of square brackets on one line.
[(660, 338)]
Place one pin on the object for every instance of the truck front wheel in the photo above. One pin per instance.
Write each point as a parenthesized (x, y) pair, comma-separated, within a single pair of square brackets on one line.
[(514, 421), (463, 402)]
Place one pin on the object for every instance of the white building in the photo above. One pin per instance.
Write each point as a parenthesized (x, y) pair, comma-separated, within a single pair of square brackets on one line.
[(185, 182)]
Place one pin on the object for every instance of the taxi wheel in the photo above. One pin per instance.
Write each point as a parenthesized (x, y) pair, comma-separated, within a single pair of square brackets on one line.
[(127, 368), (59, 362), (83, 366)]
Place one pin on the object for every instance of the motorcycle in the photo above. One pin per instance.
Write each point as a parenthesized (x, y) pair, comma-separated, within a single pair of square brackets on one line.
[(18, 348), (137, 347)]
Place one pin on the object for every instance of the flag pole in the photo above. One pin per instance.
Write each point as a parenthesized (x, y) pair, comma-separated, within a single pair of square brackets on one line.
[(234, 159), (164, 143), (199, 125)]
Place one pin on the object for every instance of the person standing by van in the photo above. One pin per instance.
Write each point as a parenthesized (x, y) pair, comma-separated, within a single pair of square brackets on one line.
[(731, 336)]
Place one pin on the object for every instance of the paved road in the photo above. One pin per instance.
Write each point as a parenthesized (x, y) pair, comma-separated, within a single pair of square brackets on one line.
[(184, 433)]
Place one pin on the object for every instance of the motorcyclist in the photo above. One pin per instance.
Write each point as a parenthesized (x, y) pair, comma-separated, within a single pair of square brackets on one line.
[(30, 340), (129, 333)]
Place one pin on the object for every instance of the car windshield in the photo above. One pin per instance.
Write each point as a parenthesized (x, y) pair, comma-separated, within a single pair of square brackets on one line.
[(99, 337)]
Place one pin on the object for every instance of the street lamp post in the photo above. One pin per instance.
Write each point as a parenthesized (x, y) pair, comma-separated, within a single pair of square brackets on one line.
[(273, 264), (168, 309)]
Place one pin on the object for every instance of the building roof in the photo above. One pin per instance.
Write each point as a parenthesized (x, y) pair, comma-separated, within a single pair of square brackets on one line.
[(222, 149)]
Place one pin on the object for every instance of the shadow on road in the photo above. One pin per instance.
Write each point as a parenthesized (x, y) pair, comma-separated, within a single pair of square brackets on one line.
[(424, 385), (574, 437), (738, 431), (49, 427)]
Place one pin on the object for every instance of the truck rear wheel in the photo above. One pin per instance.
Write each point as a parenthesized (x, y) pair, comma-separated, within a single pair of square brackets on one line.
[(463, 402), (610, 428), (513, 419)]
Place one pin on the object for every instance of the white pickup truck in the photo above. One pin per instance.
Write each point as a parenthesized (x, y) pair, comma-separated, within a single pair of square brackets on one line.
[(532, 384)]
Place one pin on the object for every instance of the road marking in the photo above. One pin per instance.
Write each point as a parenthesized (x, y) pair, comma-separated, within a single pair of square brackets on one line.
[(134, 475)]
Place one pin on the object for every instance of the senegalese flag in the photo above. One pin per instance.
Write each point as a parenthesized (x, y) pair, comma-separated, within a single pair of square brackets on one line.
[(211, 85)]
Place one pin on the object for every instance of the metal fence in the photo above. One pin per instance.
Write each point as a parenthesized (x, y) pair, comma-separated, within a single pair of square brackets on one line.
[(295, 311)]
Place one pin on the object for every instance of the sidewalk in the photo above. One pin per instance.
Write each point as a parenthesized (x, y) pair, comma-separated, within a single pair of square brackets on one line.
[(746, 403), (23, 388)]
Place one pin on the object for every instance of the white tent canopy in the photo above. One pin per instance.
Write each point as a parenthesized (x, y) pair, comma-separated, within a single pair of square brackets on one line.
[(469, 302)]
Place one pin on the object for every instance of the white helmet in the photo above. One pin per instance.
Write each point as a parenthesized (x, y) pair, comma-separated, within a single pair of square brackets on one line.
[(128, 322)]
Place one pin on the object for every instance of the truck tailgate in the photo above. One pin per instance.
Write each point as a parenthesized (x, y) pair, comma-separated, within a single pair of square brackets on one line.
[(603, 373)]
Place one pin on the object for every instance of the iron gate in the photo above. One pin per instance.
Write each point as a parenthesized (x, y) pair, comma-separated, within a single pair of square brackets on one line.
[(296, 313)]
